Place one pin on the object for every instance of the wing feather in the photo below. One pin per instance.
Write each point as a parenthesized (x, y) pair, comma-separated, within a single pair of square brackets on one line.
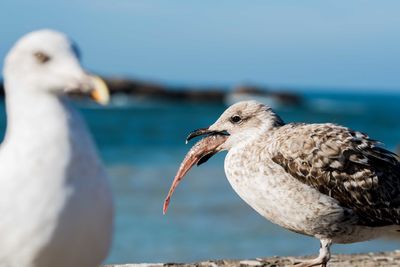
[(346, 165)]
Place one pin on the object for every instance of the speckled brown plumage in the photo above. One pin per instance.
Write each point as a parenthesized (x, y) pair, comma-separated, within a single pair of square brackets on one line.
[(346, 165)]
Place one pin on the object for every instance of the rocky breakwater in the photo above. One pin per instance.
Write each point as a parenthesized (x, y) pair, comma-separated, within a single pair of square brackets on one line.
[(380, 259), (151, 91), (154, 91)]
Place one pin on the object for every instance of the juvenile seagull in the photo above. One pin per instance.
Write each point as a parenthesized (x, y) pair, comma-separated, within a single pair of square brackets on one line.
[(55, 202), (321, 180)]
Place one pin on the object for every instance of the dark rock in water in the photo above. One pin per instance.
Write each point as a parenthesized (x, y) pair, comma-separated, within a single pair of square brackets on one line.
[(153, 91), (1, 88)]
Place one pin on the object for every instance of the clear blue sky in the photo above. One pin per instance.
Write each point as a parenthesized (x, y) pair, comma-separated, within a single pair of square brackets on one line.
[(285, 43)]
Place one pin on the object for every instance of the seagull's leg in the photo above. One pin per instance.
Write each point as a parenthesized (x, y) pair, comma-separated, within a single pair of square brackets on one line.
[(323, 257)]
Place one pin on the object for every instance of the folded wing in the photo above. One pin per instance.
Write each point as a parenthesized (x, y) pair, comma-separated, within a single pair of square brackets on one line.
[(346, 165)]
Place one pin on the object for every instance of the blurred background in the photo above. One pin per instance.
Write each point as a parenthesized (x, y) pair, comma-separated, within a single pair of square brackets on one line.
[(174, 66)]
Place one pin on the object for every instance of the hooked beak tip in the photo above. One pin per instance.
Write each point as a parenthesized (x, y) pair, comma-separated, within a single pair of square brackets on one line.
[(100, 92), (90, 85)]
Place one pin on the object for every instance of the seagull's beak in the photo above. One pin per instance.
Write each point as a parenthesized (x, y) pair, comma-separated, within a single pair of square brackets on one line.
[(213, 147), (99, 92), (92, 85), (205, 131)]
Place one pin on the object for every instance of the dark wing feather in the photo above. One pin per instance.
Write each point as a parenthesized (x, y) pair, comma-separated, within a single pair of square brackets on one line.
[(346, 165)]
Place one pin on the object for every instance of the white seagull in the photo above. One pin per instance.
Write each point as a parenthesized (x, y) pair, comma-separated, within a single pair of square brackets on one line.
[(55, 201), (321, 180)]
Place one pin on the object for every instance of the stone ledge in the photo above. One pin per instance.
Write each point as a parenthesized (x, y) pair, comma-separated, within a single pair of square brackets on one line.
[(387, 259)]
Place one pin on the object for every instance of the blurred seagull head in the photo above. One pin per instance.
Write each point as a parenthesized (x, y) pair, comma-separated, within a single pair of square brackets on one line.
[(47, 61)]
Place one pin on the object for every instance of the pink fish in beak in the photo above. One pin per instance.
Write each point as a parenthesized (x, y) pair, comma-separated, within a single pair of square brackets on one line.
[(198, 154)]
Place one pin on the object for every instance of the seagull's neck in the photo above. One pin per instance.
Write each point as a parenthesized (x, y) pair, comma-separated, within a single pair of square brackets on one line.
[(30, 111)]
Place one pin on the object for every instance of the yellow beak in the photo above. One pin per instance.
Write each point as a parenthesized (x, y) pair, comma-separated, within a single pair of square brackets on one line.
[(100, 92)]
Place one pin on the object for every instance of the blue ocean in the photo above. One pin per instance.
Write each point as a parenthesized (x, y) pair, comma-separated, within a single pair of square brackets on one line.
[(142, 145)]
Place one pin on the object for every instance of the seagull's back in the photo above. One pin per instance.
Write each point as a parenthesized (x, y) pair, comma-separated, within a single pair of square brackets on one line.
[(320, 180), (345, 165)]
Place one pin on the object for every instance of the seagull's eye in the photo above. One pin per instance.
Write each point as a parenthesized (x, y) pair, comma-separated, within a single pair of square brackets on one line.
[(42, 57), (236, 119)]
